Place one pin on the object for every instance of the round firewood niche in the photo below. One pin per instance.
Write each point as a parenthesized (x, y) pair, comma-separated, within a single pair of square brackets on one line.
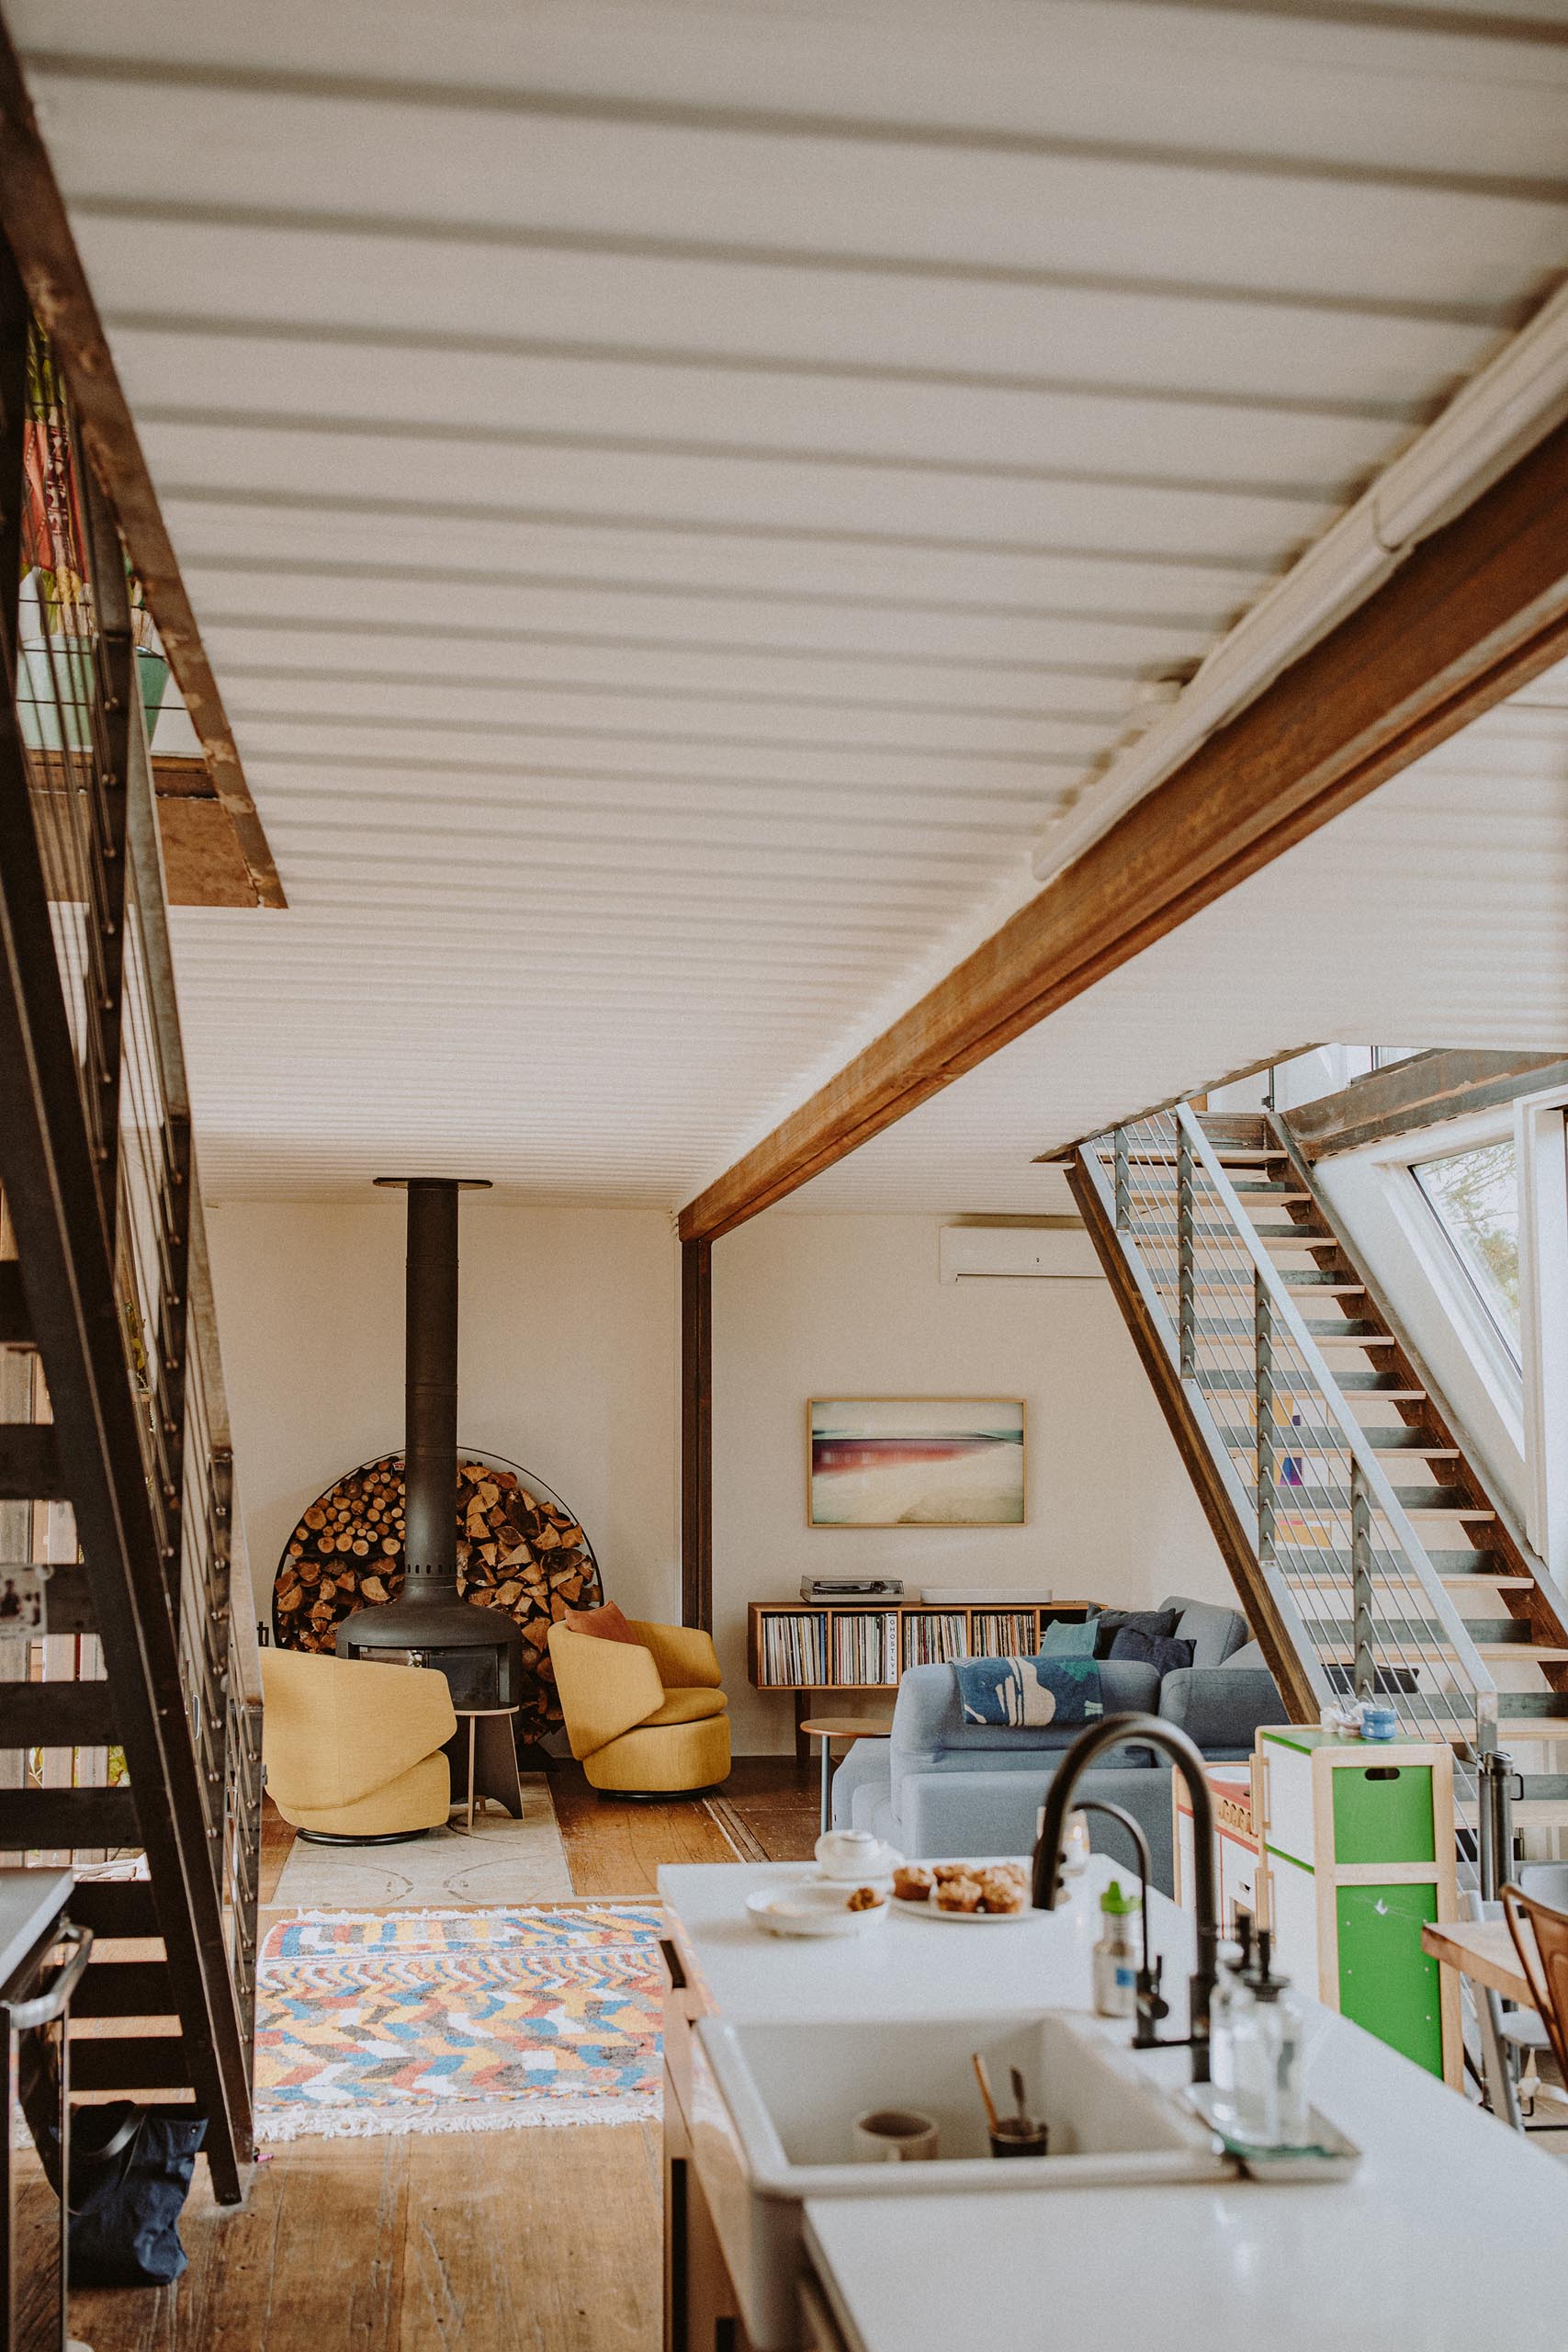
[(518, 1549)]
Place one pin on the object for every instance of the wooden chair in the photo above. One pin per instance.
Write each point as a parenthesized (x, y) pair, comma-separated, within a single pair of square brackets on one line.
[(1543, 1961)]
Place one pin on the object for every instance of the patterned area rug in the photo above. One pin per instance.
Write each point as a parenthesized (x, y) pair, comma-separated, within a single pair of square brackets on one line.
[(457, 2020)]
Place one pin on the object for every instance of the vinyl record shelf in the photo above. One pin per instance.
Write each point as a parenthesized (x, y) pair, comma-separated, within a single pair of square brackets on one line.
[(867, 1646)]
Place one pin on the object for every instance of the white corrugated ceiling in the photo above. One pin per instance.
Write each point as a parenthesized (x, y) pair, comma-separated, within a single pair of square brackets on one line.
[(673, 495)]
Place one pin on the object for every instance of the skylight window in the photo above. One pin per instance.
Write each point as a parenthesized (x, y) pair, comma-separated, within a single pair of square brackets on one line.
[(1475, 1195)]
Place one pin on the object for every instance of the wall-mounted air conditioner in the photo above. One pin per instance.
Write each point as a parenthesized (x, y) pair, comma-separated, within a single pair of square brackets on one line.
[(1060, 1251)]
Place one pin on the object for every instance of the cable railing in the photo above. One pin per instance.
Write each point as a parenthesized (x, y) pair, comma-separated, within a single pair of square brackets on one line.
[(80, 681), (1357, 1594)]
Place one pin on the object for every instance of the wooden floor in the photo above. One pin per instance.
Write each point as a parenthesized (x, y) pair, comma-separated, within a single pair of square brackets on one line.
[(534, 2241)]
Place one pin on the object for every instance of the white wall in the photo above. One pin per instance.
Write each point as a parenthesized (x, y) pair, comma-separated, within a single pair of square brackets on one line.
[(808, 1305), (568, 1363)]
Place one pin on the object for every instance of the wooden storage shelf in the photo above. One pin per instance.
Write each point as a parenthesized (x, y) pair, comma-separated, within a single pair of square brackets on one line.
[(822, 1620)]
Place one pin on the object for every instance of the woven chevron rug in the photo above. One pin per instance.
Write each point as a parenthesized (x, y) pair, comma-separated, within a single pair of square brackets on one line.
[(371, 2022)]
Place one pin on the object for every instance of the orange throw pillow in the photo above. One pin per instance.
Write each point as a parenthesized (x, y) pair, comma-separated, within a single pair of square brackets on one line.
[(605, 1624)]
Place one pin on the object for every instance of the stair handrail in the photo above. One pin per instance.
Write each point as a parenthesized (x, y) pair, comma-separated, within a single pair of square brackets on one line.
[(1376, 1481)]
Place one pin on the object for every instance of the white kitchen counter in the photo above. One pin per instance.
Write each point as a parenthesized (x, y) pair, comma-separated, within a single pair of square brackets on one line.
[(906, 1967), (1452, 2236)]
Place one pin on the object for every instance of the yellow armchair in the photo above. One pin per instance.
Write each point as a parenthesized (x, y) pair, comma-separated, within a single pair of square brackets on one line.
[(643, 1720), (352, 1749)]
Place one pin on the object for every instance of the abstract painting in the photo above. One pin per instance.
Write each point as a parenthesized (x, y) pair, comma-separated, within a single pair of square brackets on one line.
[(915, 1461)]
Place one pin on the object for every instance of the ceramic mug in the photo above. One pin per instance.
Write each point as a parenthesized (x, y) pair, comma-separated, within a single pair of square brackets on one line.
[(847, 1853), (894, 2135)]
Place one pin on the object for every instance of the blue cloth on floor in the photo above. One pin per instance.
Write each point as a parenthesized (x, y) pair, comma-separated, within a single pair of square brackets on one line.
[(1027, 1692)]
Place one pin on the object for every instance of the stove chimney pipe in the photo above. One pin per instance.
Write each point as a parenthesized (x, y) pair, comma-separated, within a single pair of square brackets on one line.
[(430, 1471)]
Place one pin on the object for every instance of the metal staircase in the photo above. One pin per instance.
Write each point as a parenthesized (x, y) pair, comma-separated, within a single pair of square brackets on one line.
[(1360, 1538), (129, 1720)]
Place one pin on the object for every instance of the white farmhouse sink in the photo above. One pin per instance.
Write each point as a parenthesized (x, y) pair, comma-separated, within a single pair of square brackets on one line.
[(772, 2108)]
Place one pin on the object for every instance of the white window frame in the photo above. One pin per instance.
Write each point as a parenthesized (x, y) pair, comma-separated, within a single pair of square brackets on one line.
[(1530, 1399), (1439, 1261), (1542, 1147)]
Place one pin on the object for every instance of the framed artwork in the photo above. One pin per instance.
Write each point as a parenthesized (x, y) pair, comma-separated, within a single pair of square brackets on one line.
[(914, 1461)]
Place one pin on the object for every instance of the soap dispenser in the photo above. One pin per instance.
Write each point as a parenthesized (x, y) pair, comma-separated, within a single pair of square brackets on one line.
[(1270, 2094)]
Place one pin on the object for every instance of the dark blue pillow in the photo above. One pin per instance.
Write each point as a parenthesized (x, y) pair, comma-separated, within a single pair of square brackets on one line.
[(1110, 1622), (1162, 1651)]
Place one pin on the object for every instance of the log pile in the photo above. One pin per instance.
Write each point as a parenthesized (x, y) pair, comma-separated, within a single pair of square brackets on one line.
[(516, 1551)]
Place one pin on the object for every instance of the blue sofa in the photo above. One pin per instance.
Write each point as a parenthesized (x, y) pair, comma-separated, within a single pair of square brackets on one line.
[(940, 1786)]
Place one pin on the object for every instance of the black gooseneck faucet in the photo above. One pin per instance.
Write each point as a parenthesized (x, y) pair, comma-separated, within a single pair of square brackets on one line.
[(1148, 1730)]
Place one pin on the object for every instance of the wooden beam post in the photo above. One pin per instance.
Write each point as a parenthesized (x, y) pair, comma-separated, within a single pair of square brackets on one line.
[(1472, 613), (697, 1434)]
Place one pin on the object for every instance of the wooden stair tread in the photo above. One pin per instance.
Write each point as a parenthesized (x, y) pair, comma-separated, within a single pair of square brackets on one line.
[(1406, 1443), (31, 1468), (16, 1326), (129, 2063), (56, 1714), (67, 1818)]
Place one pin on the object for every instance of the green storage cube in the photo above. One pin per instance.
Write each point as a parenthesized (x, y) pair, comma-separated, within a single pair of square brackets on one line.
[(1383, 1813)]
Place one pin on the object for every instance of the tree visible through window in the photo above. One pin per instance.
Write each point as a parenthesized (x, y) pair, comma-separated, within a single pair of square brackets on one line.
[(1474, 1196)]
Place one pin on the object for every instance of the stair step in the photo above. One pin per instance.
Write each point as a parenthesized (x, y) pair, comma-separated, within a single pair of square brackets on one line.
[(1381, 1386), (119, 1909), (67, 1817), (125, 1988), (55, 1714), (1521, 1653), (1542, 1812), (1338, 1633), (1348, 1333), (129, 2063), (16, 1327), (1419, 1502), (30, 1463), (1457, 1567), (1293, 1440), (1295, 1278)]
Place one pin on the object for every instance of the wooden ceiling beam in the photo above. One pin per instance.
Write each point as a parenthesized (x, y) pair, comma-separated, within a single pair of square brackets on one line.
[(32, 215), (1424, 1090), (1474, 612)]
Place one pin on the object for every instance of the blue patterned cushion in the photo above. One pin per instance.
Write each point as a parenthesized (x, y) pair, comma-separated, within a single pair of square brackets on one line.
[(1027, 1692)]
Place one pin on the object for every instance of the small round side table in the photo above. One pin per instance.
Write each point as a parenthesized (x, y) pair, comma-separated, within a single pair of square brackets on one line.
[(827, 1728), (492, 1762)]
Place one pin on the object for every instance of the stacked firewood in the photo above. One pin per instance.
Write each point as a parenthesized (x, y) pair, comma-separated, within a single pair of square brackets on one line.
[(516, 1551)]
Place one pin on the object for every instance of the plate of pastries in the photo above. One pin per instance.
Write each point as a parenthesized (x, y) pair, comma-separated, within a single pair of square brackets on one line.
[(980, 1893)]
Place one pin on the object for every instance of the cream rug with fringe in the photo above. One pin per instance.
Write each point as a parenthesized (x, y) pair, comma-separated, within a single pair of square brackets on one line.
[(503, 1862), (457, 2020)]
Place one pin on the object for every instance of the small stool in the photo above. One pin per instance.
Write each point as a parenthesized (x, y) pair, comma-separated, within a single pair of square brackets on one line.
[(492, 1762), (827, 1728)]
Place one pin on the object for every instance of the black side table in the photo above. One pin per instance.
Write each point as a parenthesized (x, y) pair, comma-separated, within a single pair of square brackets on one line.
[(33, 1924)]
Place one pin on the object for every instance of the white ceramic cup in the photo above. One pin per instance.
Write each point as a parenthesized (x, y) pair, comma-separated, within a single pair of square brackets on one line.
[(847, 1853), (894, 2135)]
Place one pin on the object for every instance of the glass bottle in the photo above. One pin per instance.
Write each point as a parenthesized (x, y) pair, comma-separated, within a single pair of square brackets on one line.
[(1115, 1962), (1270, 2096)]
